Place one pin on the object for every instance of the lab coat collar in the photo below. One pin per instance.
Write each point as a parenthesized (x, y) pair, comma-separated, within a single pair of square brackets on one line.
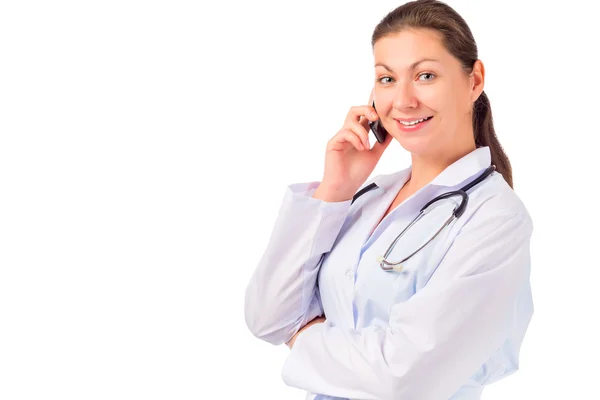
[(454, 175)]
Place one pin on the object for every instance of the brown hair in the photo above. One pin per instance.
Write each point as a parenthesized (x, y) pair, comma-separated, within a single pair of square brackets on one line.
[(458, 40)]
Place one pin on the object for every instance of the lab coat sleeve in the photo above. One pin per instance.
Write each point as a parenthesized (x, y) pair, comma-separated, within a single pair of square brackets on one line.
[(439, 337), (282, 295)]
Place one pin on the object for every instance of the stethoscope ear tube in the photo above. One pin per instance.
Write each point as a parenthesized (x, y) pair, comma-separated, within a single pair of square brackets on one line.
[(458, 211), (462, 192)]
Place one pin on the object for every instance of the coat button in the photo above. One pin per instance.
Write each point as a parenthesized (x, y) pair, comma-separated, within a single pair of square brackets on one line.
[(349, 274)]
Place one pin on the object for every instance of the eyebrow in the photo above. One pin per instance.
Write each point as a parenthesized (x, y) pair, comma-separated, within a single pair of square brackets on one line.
[(412, 66)]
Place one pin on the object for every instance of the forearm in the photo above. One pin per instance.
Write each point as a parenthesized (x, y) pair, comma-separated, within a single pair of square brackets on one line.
[(281, 295)]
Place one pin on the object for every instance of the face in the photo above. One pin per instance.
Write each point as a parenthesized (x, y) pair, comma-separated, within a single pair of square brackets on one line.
[(409, 89)]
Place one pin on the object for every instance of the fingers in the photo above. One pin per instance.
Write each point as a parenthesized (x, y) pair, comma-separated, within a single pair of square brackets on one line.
[(338, 142), (356, 129), (361, 131), (356, 112), (357, 121)]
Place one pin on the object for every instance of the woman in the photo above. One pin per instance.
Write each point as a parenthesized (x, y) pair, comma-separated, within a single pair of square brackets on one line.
[(451, 318)]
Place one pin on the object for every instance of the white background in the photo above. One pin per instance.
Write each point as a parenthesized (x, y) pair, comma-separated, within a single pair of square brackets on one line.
[(145, 148)]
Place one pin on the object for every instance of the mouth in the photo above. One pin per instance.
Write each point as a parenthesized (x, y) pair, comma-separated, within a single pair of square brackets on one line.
[(410, 126), (406, 122)]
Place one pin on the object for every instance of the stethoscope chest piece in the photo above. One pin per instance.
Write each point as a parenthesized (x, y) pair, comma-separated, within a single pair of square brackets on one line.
[(396, 268)]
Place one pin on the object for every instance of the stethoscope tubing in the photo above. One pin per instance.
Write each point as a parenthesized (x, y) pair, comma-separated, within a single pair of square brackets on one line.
[(456, 213)]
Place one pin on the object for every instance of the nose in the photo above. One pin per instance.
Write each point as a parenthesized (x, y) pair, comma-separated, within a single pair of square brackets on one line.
[(405, 96)]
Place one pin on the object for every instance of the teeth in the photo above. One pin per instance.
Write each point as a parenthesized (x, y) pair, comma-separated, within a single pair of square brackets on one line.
[(413, 122)]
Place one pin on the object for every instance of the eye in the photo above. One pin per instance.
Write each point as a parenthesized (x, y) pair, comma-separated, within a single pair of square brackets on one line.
[(384, 77), (427, 74)]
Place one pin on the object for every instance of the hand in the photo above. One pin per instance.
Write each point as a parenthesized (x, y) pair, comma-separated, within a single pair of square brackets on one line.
[(349, 160), (317, 320)]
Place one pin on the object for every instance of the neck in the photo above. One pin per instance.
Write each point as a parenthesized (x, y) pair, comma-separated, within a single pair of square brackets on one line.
[(425, 168)]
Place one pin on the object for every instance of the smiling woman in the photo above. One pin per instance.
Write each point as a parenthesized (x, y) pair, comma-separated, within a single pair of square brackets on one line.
[(452, 318), (443, 88)]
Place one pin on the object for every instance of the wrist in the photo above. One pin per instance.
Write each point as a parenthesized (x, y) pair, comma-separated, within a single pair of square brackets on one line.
[(331, 194)]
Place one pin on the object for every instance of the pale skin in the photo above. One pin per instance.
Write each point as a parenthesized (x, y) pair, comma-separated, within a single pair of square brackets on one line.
[(408, 87)]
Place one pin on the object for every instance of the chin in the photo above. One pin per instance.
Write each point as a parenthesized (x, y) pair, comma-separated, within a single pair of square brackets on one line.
[(417, 145)]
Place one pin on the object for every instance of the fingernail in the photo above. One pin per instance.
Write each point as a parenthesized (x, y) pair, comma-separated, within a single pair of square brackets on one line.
[(373, 115)]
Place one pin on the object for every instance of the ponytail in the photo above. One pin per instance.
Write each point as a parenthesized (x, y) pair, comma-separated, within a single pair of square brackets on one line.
[(485, 135)]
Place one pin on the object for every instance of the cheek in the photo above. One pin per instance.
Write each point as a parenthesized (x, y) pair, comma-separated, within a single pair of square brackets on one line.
[(437, 98), (432, 100), (447, 100), (462, 99), (384, 101)]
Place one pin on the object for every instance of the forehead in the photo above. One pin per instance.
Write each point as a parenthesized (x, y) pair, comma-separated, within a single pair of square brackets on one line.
[(410, 45)]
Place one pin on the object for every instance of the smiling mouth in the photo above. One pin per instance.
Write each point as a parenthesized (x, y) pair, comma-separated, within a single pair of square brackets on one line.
[(415, 122)]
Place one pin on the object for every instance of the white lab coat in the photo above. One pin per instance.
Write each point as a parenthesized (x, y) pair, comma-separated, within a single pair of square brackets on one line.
[(451, 323)]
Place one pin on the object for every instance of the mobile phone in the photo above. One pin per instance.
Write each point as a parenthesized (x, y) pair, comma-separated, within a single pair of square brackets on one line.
[(378, 129)]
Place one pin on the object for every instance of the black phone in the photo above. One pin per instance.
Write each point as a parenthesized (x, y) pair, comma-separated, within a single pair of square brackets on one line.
[(378, 129)]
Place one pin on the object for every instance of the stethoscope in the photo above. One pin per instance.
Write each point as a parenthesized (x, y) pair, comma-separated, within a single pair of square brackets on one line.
[(456, 213)]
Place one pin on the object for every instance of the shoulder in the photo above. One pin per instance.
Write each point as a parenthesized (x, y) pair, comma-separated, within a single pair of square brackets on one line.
[(495, 202), (493, 234)]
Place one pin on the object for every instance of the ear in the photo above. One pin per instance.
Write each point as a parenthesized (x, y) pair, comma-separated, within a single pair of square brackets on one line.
[(477, 80)]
